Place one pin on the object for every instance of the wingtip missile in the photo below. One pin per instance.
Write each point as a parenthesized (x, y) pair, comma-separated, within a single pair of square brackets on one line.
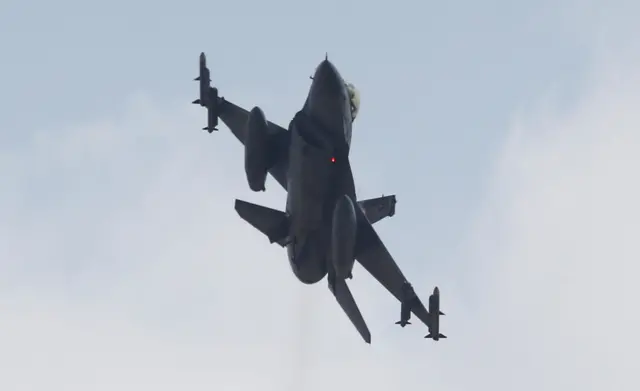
[(208, 95), (435, 312)]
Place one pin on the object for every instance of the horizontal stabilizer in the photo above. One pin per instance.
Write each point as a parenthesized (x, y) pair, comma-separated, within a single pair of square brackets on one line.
[(345, 299), (377, 209), (271, 222), (439, 336)]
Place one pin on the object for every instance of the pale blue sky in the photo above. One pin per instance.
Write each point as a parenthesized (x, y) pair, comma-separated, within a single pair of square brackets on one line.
[(439, 80), (118, 224)]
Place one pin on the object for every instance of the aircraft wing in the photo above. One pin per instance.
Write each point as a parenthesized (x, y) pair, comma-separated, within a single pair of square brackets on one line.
[(372, 254), (235, 117)]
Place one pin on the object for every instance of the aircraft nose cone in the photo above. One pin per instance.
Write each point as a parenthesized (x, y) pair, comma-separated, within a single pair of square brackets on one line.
[(325, 70), (436, 291), (328, 101), (327, 80)]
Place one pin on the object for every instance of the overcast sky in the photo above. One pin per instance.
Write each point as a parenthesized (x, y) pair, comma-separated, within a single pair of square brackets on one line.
[(509, 132)]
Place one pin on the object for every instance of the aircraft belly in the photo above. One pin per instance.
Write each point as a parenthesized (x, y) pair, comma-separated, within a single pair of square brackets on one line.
[(310, 186), (307, 256), (310, 182), (306, 209)]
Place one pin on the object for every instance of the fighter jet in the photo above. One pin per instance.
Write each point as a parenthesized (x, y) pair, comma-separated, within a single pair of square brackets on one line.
[(434, 310), (324, 227)]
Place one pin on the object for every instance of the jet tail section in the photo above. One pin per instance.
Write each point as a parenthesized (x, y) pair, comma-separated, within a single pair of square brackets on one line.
[(377, 209), (271, 222), (344, 297)]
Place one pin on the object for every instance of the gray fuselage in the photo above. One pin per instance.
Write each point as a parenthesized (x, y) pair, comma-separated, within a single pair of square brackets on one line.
[(319, 172)]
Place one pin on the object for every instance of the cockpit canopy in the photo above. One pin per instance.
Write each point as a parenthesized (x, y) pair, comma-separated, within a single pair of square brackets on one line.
[(354, 98)]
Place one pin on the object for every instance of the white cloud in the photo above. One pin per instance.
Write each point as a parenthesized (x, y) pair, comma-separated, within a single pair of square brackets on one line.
[(558, 243), (121, 259), (123, 265)]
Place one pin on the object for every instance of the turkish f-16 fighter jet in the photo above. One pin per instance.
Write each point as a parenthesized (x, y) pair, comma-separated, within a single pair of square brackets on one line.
[(324, 227)]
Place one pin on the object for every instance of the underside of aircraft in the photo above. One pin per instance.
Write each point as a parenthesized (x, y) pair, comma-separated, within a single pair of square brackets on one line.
[(325, 227)]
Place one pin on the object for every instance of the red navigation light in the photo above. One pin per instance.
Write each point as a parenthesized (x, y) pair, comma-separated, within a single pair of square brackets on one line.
[(333, 160)]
